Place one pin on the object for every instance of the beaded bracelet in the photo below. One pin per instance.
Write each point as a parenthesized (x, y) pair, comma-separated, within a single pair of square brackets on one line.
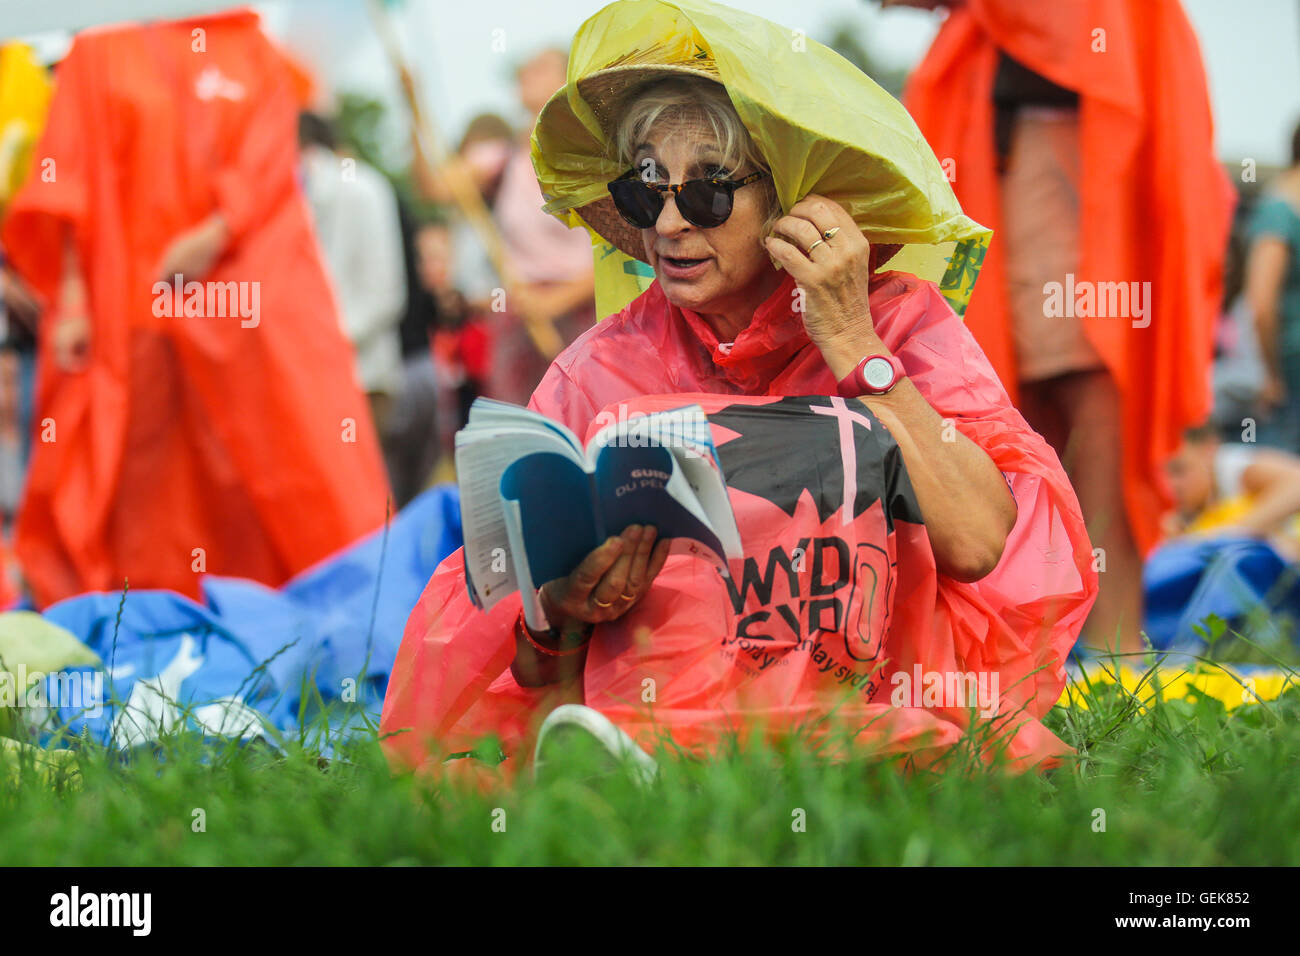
[(521, 628)]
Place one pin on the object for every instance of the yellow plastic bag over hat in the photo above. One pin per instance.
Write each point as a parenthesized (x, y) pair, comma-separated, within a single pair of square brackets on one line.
[(822, 124)]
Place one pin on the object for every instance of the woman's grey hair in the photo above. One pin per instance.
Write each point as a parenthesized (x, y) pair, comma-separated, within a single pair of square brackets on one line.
[(692, 99)]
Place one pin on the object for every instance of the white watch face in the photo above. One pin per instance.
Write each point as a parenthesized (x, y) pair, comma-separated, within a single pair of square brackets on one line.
[(878, 372)]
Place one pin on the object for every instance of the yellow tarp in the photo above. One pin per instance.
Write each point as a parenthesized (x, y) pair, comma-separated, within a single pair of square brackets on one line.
[(25, 92), (50, 767), (1230, 511), (1233, 686)]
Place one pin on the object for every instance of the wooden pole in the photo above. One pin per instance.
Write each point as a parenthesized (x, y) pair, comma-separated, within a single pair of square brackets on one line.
[(463, 190)]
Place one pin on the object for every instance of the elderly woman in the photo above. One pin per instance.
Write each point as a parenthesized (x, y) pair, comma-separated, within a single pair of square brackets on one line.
[(906, 535)]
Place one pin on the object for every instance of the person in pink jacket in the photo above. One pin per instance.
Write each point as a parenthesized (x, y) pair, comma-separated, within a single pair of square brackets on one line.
[(915, 563)]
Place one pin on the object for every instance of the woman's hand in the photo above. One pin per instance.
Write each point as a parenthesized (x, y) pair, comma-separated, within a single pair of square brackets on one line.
[(70, 325), (834, 276), (70, 339), (608, 582), (193, 253), (968, 508)]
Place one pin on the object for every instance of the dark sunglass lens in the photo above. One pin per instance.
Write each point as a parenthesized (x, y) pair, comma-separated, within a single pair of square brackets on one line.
[(637, 204), (704, 204)]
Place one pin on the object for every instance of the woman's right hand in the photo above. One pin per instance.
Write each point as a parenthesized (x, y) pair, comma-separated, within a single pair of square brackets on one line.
[(608, 582)]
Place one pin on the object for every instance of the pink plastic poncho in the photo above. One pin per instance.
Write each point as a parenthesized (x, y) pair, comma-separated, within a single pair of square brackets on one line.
[(796, 634)]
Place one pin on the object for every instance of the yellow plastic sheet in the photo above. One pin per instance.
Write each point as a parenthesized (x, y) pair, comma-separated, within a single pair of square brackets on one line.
[(821, 123), (24, 100), (1230, 511), (1232, 686), (619, 277)]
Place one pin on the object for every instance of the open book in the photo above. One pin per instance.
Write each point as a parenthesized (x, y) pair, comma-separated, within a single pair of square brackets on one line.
[(534, 502)]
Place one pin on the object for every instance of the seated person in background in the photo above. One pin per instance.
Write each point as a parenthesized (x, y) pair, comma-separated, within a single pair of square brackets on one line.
[(1225, 489)]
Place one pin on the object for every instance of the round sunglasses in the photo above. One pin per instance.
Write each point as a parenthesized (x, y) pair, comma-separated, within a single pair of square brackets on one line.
[(702, 202)]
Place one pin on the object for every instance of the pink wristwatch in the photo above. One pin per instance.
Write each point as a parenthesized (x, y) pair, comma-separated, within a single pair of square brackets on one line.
[(874, 375)]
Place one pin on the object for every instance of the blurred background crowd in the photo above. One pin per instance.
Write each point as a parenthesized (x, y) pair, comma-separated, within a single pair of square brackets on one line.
[(450, 282), (420, 297)]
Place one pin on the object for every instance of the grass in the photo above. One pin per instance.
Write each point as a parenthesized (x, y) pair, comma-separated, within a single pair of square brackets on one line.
[(1181, 782)]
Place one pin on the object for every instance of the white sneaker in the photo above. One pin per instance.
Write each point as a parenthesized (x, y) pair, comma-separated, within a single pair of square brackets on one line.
[(570, 720)]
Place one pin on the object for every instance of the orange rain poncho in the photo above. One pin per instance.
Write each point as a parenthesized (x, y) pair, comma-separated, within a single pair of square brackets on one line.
[(1154, 205), (836, 606), (212, 442)]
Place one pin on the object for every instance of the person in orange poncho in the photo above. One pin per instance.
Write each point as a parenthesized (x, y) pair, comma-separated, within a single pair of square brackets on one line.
[(25, 90), (196, 406), (1080, 131), (894, 532)]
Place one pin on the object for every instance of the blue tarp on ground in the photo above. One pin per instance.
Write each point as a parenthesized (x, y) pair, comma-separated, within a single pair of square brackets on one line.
[(250, 645), (1187, 580), (259, 646)]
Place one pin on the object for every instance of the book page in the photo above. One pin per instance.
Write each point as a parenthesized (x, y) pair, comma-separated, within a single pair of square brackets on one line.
[(483, 454), (490, 412), (686, 426), (703, 473), (534, 615)]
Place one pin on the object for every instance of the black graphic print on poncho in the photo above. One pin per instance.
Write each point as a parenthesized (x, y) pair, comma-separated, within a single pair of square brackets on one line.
[(793, 445)]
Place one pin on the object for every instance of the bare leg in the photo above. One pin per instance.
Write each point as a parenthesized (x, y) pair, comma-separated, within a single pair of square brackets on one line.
[(1088, 405), (1039, 405)]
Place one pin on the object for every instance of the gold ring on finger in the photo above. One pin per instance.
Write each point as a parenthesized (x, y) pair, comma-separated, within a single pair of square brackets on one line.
[(830, 233), (814, 246), (602, 604), (627, 597)]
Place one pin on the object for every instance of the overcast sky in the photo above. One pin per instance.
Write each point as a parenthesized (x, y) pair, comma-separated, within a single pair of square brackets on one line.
[(1252, 51), (1252, 48)]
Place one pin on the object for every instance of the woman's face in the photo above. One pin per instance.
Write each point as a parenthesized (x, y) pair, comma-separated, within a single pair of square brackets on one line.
[(728, 269)]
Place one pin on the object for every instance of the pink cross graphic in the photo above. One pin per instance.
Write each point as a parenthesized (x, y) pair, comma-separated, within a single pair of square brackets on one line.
[(848, 450)]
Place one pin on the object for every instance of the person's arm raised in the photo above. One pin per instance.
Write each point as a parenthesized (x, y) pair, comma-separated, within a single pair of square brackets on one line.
[(1273, 481), (968, 508)]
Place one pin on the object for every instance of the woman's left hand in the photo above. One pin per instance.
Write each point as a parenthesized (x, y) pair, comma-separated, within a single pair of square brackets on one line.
[(834, 276), (193, 253), (969, 509)]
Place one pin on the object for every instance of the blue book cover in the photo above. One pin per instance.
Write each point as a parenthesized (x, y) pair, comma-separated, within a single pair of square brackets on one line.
[(535, 503)]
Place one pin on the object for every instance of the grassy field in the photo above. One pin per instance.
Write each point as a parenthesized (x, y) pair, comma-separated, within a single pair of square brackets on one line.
[(1181, 782)]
